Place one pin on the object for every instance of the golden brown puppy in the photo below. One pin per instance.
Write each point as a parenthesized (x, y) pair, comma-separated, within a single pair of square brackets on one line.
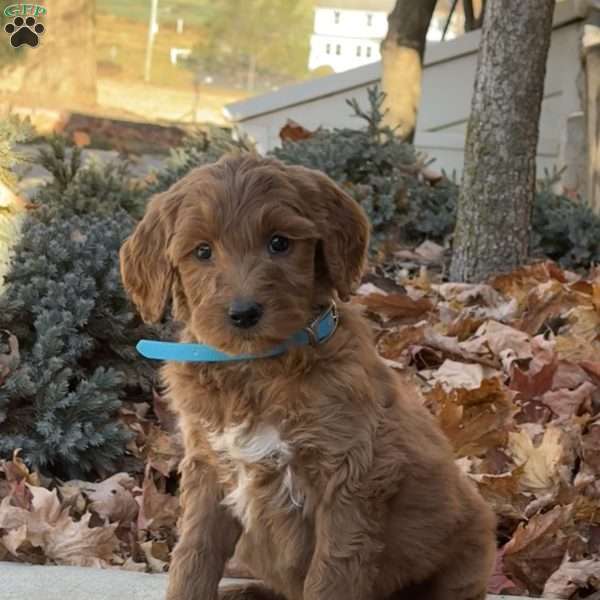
[(333, 482)]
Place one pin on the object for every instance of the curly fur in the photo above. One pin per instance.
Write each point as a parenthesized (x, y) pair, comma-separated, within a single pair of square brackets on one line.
[(320, 466)]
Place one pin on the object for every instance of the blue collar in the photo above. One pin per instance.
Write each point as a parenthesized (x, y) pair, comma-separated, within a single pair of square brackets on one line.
[(319, 331)]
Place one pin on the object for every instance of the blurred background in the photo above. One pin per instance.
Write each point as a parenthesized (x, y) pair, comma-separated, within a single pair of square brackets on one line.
[(167, 60)]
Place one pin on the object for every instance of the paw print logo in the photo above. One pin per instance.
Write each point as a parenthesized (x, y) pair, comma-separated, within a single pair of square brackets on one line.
[(24, 31)]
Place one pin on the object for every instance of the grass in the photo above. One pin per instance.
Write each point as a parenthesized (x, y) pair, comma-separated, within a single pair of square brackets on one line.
[(193, 12), (121, 50)]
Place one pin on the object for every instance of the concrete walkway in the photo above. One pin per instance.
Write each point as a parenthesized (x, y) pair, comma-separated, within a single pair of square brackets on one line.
[(32, 582)]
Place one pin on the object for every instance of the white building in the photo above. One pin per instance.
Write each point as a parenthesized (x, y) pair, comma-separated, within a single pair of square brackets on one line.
[(347, 33)]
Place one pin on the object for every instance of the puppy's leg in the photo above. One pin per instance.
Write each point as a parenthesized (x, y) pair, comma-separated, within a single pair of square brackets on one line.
[(466, 577), (251, 591), (446, 588), (208, 535), (343, 565)]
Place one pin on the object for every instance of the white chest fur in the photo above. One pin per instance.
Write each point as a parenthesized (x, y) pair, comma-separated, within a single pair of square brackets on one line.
[(245, 447), (240, 443)]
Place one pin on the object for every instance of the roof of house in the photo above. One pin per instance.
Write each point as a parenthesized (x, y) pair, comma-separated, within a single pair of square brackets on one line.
[(366, 5), (308, 91)]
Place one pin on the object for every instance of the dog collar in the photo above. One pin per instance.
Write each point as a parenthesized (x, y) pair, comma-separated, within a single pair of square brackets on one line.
[(318, 332)]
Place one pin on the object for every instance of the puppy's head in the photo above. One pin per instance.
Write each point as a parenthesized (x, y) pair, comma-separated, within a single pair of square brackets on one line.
[(246, 248)]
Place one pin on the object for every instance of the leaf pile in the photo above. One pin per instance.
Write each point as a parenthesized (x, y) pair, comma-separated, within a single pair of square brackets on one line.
[(126, 521), (511, 369)]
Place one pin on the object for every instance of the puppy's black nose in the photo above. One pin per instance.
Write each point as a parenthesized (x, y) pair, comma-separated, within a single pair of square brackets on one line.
[(245, 313)]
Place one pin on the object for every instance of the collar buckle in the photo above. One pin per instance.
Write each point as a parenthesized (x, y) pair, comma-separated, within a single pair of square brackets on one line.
[(312, 330)]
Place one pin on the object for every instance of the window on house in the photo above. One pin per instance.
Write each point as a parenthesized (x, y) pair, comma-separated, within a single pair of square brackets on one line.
[(369, 20), (358, 50), (328, 48), (338, 49), (336, 17), (368, 51)]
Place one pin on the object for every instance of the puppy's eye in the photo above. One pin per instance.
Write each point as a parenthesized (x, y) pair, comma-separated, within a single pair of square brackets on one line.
[(278, 244), (203, 251)]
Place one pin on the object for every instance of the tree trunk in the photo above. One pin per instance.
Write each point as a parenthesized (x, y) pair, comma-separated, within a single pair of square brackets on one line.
[(498, 186), (61, 71), (473, 22), (469, 15), (591, 55), (402, 53)]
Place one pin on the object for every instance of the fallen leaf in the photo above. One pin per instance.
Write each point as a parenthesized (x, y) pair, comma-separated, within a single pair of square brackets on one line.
[(150, 550), (579, 342), (470, 293), (428, 252), (157, 509), (72, 497), (455, 349), (294, 132), (132, 565), (499, 583), (542, 463), (48, 527), (392, 344), (474, 420), (537, 548), (164, 453), (397, 306), (531, 384), (567, 403), (569, 375), (544, 303), (77, 544), (591, 447), (570, 576), (112, 499), (16, 470), (452, 375), (497, 338), (366, 289), (592, 368), (504, 493)]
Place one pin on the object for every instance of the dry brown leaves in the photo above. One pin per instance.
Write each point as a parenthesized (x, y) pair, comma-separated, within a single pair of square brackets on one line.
[(511, 369), (127, 521)]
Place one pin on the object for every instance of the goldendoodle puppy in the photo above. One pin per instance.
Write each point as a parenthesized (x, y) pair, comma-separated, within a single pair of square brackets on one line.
[(304, 450)]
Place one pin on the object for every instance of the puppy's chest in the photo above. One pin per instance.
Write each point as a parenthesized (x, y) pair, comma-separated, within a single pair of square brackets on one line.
[(257, 471)]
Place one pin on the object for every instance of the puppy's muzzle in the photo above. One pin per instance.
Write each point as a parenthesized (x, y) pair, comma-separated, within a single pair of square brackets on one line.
[(245, 313)]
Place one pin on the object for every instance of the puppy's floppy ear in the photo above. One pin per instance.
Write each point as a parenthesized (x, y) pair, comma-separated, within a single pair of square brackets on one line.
[(342, 224), (146, 270)]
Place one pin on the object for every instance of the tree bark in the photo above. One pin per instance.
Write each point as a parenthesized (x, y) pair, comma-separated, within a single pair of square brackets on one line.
[(61, 71), (498, 186), (469, 15), (591, 60), (593, 127), (402, 53), (473, 22)]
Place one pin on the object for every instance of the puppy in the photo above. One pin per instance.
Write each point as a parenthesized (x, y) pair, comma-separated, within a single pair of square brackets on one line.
[(333, 482)]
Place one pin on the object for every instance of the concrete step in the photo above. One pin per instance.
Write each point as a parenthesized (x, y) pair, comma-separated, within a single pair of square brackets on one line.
[(34, 582)]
